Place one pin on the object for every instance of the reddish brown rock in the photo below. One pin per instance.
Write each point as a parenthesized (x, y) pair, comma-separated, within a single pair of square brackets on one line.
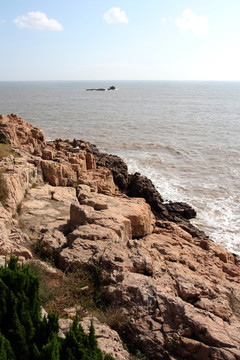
[(14, 241), (178, 290), (14, 130), (18, 176), (90, 161), (136, 210), (83, 214), (58, 174), (100, 180), (108, 339), (116, 165)]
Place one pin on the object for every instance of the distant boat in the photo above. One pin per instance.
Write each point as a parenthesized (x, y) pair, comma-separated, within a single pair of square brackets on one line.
[(112, 88)]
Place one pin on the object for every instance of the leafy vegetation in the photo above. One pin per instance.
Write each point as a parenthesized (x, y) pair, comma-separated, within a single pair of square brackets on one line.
[(25, 335)]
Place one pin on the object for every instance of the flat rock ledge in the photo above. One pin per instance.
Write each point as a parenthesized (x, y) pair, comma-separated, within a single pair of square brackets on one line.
[(178, 292)]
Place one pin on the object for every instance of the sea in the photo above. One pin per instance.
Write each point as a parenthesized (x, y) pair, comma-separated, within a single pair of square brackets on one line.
[(183, 135)]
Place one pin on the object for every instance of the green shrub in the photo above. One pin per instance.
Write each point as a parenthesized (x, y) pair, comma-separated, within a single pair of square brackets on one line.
[(24, 335)]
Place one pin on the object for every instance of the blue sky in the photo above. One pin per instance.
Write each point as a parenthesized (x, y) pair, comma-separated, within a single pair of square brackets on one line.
[(120, 40)]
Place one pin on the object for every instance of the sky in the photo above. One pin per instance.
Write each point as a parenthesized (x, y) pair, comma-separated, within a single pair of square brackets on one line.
[(119, 40)]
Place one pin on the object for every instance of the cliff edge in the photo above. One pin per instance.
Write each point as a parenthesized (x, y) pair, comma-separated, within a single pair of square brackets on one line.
[(176, 292)]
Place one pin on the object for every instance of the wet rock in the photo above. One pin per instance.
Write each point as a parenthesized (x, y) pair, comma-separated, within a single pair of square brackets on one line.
[(181, 209), (140, 186), (117, 166)]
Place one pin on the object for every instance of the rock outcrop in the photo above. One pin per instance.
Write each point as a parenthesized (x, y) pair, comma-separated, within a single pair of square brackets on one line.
[(176, 290), (116, 165), (15, 131)]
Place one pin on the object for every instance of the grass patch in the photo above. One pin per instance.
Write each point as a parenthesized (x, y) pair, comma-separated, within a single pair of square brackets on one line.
[(82, 287), (85, 288), (139, 356), (3, 190), (6, 150), (46, 288), (38, 248), (113, 316), (19, 208), (234, 303)]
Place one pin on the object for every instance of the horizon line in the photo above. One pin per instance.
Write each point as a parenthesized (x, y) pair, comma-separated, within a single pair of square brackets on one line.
[(185, 80)]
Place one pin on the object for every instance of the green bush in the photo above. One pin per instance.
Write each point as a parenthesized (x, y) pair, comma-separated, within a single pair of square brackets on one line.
[(25, 335)]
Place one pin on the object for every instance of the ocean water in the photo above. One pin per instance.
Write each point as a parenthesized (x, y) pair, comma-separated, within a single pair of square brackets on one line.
[(184, 136)]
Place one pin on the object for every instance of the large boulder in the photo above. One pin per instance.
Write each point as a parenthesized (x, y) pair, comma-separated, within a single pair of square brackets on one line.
[(100, 180), (83, 214), (58, 174), (103, 225), (135, 209)]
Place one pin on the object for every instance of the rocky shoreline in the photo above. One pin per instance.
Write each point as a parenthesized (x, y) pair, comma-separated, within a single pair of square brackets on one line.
[(178, 290)]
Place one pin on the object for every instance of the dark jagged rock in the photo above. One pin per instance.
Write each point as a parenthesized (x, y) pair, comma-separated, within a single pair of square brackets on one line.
[(141, 186), (186, 225), (137, 185), (84, 145), (181, 209), (117, 166)]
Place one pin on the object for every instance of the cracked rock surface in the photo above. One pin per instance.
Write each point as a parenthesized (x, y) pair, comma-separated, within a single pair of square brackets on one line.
[(178, 291)]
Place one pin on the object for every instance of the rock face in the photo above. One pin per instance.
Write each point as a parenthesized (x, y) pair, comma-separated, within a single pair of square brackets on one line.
[(182, 210), (177, 291), (15, 131), (116, 165), (108, 339)]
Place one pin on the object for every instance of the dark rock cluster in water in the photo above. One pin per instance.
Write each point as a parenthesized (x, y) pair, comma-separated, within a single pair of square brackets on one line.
[(102, 89)]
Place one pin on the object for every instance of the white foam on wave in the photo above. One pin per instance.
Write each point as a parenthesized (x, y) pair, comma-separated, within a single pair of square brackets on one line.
[(217, 217), (168, 189), (220, 220)]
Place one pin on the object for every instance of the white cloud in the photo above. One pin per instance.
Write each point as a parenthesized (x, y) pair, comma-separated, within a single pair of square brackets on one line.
[(115, 15), (37, 20), (191, 22)]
